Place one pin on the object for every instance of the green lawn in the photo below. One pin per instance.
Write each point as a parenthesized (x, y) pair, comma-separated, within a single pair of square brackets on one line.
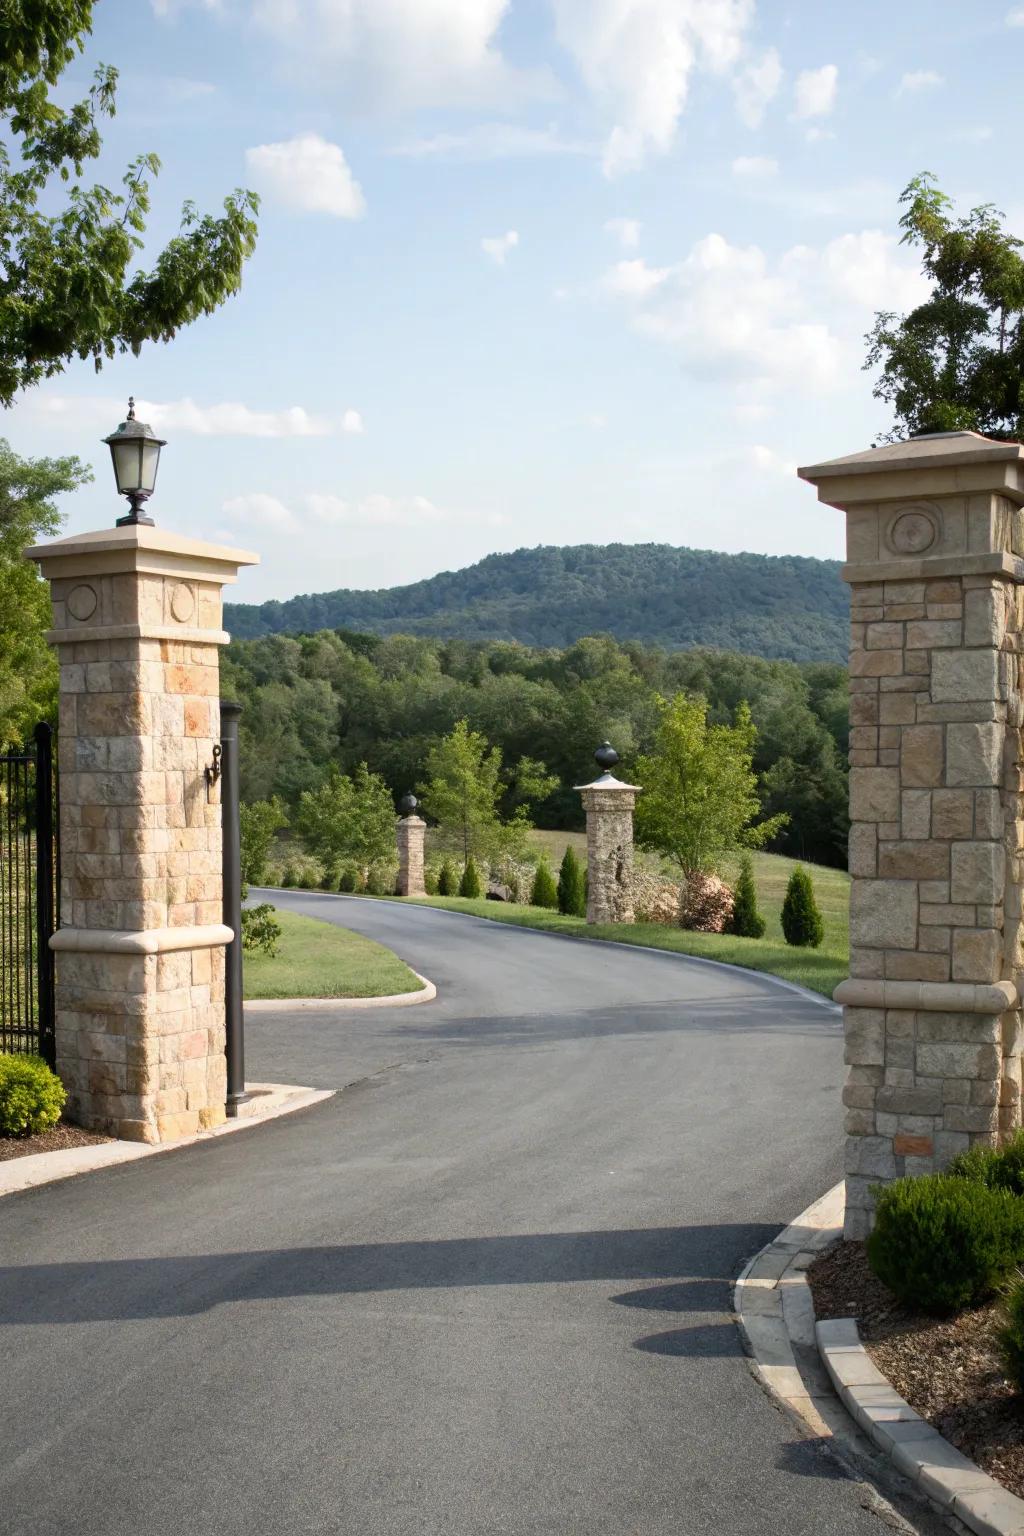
[(820, 969), (317, 959)]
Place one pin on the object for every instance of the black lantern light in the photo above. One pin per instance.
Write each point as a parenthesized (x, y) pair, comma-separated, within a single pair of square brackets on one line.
[(135, 450)]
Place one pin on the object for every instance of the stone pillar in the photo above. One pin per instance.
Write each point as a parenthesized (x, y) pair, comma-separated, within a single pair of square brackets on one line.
[(140, 951), (609, 805), (934, 535), (410, 833)]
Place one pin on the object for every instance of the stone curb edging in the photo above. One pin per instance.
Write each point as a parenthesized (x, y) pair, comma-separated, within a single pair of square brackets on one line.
[(950, 1479), (49, 1167), (775, 1313), (427, 994)]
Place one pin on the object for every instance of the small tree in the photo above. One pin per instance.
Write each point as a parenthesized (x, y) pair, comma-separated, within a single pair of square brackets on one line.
[(447, 879), (544, 892), (259, 823), (469, 885), (348, 819), (700, 796), (746, 919), (801, 919), (464, 789), (572, 894)]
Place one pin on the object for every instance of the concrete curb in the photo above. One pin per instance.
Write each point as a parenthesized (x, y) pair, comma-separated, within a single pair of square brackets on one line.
[(269, 1102), (332, 1004), (775, 1312)]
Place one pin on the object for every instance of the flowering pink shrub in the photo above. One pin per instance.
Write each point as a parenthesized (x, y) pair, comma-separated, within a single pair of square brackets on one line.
[(705, 904)]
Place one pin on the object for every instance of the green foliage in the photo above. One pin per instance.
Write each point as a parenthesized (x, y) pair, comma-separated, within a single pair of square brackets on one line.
[(544, 892), (28, 512), (956, 362), (31, 1096), (347, 818), (802, 923), (447, 879), (65, 286), (289, 876), (469, 885), (464, 791), (550, 596), (379, 881), (259, 822), (260, 929), (430, 876), (1010, 1333), (349, 879), (572, 890), (998, 1167), (940, 1243), (747, 922), (700, 796)]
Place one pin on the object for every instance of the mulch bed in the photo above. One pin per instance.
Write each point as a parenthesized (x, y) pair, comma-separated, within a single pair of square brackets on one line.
[(947, 1368), (61, 1137)]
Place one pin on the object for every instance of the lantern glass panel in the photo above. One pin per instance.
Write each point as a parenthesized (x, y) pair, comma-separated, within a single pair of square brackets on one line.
[(150, 460), (126, 465)]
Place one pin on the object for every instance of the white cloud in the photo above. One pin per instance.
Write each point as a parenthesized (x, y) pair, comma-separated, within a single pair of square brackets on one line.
[(756, 86), (918, 80), (756, 167), (1015, 18), (496, 141), (626, 232), (328, 510), (815, 92), (229, 418), (497, 247), (308, 174), (259, 508), (352, 423), (637, 58)]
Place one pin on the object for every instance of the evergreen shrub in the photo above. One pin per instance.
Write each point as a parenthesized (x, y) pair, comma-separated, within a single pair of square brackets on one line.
[(747, 921), (349, 880), (544, 891), (941, 1242), (572, 896), (289, 876), (998, 1167), (31, 1096), (801, 920), (430, 880), (447, 880), (469, 885), (1010, 1334)]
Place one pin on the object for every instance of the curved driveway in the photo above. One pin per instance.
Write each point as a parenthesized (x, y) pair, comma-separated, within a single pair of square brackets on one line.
[(483, 1290)]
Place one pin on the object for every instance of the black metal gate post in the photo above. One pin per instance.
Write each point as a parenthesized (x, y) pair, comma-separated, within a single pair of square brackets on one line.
[(234, 1047), (46, 813)]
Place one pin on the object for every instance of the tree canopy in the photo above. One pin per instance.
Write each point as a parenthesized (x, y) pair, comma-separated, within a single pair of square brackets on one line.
[(65, 286), (347, 819), (464, 789), (956, 362)]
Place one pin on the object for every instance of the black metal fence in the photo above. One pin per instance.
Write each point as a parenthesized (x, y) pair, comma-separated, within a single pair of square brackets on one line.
[(29, 896)]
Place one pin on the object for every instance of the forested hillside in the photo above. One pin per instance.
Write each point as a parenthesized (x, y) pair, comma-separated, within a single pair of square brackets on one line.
[(349, 698), (765, 605)]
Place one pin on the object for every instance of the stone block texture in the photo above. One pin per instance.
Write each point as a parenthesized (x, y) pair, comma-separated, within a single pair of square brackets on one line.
[(409, 834), (609, 852), (935, 802), (140, 955)]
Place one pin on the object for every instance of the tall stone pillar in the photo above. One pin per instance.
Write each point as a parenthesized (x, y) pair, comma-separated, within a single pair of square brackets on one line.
[(140, 951), (609, 805), (932, 1008), (410, 833)]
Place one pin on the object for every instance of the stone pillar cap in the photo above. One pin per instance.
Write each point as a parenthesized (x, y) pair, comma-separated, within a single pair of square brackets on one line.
[(137, 547), (921, 466), (608, 781)]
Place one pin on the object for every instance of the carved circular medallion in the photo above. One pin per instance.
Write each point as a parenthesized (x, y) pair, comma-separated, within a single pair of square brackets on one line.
[(182, 603), (913, 531), (82, 602)]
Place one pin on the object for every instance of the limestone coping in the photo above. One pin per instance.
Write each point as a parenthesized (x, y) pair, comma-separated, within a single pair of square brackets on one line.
[(609, 781), (183, 634), (936, 464), (411, 821), (150, 941), (928, 996), (137, 547)]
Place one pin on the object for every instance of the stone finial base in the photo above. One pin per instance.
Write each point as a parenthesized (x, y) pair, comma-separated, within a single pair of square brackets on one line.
[(410, 834)]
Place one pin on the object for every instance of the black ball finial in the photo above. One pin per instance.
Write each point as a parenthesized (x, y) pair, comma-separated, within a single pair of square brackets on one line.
[(606, 756), (408, 804)]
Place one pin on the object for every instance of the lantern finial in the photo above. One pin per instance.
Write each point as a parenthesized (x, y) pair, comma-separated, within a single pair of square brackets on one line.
[(131, 407)]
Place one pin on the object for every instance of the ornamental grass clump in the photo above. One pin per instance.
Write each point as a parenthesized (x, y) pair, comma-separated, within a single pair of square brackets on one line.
[(942, 1242), (572, 894), (801, 920), (544, 892), (31, 1096)]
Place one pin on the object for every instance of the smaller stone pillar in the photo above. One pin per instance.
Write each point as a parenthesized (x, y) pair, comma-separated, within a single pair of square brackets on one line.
[(609, 805), (410, 833)]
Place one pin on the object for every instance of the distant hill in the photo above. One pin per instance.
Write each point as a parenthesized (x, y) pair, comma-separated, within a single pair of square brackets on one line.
[(766, 605)]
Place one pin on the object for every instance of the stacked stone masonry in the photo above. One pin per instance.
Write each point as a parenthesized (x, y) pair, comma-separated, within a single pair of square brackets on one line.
[(936, 821), (609, 806), (410, 834)]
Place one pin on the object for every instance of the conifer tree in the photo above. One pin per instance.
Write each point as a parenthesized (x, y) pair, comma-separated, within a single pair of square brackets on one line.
[(746, 919), (469, 885), (572, 896), (544, 892), (801, 919), (447, 883)]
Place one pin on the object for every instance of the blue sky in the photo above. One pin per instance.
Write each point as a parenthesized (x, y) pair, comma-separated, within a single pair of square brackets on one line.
[(529, 271)]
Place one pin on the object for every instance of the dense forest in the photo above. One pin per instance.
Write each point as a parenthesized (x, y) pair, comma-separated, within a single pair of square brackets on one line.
[(766, 605), (345, 698)]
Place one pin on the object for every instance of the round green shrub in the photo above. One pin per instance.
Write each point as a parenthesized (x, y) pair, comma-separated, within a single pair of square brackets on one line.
[(747, 921), (447, 880), (469, 885), (801, 920), (349, 880), (1010, 1333), (998, 1167), (572, 895), (941, 1242), (544, 892), (31, 1096)]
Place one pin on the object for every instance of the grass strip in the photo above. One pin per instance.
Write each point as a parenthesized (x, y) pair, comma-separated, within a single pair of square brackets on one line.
[(318, 959)]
